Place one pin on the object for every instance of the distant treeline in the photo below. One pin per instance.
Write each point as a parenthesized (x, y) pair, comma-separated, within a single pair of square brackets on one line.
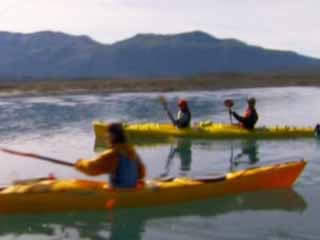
[(213, 81)]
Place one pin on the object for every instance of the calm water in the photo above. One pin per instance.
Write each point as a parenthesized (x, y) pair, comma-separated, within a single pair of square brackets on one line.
[(60, 127)]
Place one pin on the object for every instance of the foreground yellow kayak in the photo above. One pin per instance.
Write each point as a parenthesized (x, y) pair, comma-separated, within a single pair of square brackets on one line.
[(140, 132), (80, 195)]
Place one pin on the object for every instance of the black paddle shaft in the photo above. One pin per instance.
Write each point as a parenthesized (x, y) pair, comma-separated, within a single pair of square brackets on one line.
[(32, 155)]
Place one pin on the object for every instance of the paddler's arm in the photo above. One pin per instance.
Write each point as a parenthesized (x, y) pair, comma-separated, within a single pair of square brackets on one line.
[(237, 116), (102, 164)]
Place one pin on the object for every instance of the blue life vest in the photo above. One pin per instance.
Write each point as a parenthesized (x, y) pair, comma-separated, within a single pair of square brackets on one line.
[(126, 175)]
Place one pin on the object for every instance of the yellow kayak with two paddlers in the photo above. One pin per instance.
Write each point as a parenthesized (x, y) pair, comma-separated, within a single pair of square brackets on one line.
[(158, 132)]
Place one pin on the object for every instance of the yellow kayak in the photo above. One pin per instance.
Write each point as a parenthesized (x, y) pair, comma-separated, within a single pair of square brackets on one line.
[(152, 133), (80, 195)]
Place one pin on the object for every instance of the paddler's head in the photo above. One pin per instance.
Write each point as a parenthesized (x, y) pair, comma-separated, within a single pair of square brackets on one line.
[(183, 104), (251, 102), (116, 134)]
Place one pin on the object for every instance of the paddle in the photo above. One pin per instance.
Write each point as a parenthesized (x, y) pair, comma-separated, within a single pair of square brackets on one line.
[(36, 156), (229, 104), (164, 103)]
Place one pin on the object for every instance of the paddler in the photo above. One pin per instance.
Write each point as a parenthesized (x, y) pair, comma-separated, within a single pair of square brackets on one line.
[(121, 161), (250, 117), (183, 119), (184, 114)]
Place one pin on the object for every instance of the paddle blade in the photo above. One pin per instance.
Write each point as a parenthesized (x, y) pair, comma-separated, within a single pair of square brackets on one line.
[(163, 100), (228, 103)]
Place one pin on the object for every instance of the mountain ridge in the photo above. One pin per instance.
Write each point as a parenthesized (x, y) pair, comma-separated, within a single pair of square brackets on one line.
[(49, 54)]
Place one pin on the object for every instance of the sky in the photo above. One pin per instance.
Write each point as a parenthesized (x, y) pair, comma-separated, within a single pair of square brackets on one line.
[(277, 24)]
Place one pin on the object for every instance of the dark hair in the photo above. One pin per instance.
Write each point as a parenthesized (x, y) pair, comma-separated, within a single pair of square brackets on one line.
[(117, 132), (252, 101)]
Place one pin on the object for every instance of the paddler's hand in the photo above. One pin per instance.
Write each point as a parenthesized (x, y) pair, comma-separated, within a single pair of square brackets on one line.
[(79, 164)]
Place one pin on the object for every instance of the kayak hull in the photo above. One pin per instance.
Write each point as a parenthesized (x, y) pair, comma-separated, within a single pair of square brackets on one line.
[(84, 195), (158, 132)]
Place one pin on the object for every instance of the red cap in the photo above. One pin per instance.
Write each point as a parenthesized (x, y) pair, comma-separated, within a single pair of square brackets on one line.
[(182, 103)]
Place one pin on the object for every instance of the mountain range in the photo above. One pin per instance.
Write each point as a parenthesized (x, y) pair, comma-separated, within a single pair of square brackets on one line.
[(58, 55)]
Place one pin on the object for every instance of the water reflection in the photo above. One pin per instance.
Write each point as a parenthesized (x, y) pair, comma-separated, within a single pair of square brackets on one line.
[(182, 149), (133, 223), (249, 154)]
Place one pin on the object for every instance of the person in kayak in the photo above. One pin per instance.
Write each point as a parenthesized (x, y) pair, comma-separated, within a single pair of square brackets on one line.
[(184, 115), (250, 117), (121, 161)]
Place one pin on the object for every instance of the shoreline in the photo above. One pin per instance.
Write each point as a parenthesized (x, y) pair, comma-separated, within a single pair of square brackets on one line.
[(209, 82)]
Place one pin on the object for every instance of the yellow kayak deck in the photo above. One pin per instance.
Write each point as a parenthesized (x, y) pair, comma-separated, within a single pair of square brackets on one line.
[(80, 195)]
